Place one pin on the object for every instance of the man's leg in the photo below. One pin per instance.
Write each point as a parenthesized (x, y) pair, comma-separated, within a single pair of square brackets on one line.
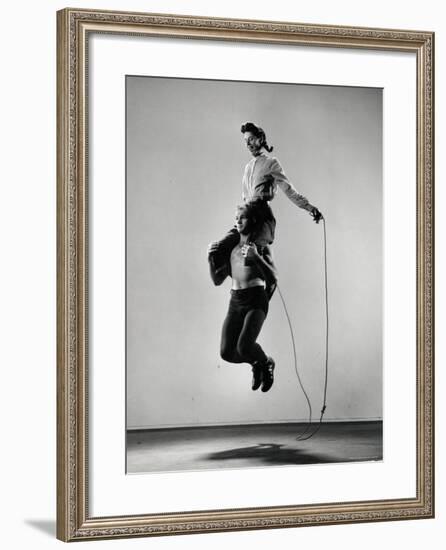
[(230, 334), (232, 342), (247, 346), (241, 328), (249, 350)]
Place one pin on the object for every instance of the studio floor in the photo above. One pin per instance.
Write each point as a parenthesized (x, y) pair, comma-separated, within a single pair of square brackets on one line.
[(251, 446)]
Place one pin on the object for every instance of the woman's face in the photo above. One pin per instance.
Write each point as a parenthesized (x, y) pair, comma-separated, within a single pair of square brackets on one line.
[(253, 143)]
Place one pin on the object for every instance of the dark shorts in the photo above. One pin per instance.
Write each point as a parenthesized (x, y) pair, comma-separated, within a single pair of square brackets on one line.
[(264, 233), (247, 299)]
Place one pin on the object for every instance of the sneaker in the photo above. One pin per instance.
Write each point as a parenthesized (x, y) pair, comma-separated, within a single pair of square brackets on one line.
[(256, 377), (268, 374)]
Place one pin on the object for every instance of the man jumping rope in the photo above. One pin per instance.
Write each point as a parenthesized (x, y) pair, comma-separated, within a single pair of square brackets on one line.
[(248, 306)]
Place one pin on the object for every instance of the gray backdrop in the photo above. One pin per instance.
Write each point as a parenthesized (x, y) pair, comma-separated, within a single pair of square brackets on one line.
[(185, 160)]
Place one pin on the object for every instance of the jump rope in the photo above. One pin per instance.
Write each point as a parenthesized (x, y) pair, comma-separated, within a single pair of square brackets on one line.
[(305, 435)]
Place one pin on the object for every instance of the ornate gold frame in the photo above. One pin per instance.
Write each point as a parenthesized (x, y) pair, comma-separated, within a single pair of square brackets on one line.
[(73, 519)]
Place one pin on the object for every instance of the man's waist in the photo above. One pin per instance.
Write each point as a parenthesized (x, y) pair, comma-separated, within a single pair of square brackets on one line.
[(239, 286)]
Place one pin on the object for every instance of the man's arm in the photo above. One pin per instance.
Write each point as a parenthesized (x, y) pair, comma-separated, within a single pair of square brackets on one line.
[(264, 263)]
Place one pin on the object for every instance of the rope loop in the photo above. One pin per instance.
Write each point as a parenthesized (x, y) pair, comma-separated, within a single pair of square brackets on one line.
[(303, 436)]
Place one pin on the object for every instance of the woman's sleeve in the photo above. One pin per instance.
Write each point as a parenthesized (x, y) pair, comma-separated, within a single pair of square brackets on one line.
[(283, 182)]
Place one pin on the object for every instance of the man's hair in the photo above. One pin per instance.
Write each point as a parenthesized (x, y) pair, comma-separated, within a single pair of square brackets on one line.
[(252, 213), (257, 132)]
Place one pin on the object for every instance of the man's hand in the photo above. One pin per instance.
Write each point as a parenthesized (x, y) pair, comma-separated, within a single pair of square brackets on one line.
[(249, 251), (317, 216)]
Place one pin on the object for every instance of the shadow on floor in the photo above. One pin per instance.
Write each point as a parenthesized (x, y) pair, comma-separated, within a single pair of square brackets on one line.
[(47, 526), (271, 453), (263, 445)]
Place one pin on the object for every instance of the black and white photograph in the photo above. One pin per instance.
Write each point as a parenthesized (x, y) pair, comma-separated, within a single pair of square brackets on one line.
[(223, 248), (254, 274)]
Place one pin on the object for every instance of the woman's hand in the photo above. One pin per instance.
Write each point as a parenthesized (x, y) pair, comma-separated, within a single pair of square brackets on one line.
[(317, 215)]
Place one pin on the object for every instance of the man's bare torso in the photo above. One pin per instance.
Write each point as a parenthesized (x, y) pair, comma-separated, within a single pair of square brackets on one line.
[(243, 276)]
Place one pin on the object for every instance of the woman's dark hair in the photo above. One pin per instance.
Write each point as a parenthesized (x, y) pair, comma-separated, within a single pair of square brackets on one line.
[(257, 132)]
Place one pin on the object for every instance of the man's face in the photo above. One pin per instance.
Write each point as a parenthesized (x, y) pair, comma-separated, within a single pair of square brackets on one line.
[(242, 222), (253, 143)]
